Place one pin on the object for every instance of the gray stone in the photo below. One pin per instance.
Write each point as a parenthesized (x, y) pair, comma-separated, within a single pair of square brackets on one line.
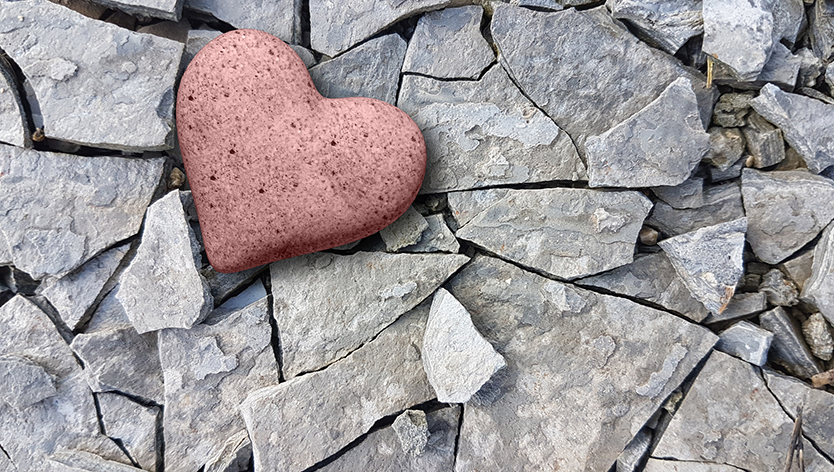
[(788, 349), (336, 26), (808, 124), (662, 465), (741, 305), (569, 233), (782, 68), (250, 295), (584, 371), (196, 40), (689, 194), (651, 277), (405, 231), (25, 382), (305, 54), (731, 109), (464, 206), (165, 9), (436, 238), (209, 369), (281, 18), (810, 69), (821, 30), (383, 377), (722, 203), (667, 24), (14, 129), (162, 287), (783, 210), (327, 305), (412, 430), (726, 145), (223, 285), (659, 145), (458, 361), (829, 76), (178, 31), (75, 294), (817, 290), (235, 455), (746, 341), (370, 70), (132, 424), (764, 142), (124, 81), (61, 210), (818, 336), (448, 44), (634, 452), (82, 461), (485, 132), (709, 261), (380, 451), (596, 89), (779, 291), (800, 268), (732, 173)]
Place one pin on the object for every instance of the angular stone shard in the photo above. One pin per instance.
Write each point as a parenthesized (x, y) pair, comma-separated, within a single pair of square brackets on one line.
[(817, 408), (467, 205), (689, 194), (124, 81), (14, 128), (485, 132), (235, 455), (222, 285), (412, 430), (808, 124), (818, 336), (709, 261), (370, 70), (165, 9), (25, 382), (783, 210), (327, 305), (209, 369), (575, 361), (651, 277), (821, 30), (381, 378), (788, 349), (596, 89), (132, 424), (436, 238), (281, 18), (196, 40), (253, 293), (746, 341), (667, 24), (162, 287), (722, 203), (633, 454), (82, 461), (569, 233), (448, 44), (782, 68), (742, 304), (764, 142), (731, 109), (800, 268), (780, 292), (659, 145), (405, 231), (62, 210), (458, 361), (819, 288), (733, 172), (726, 147)]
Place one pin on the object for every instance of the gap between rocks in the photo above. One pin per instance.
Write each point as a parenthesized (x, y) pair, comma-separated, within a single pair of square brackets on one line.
[(103, 431)]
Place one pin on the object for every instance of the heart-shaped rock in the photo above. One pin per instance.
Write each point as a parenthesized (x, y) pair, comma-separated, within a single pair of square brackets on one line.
[(277, 170)]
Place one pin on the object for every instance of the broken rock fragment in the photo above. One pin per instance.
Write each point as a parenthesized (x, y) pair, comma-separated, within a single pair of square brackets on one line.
[(817, 408), (726, 147), (764, 142), (14, 128), (132, 424), (436, 238), (731, 109), (817, 290), (741, 305), (746, 341), (780, 292), (405, 231), (281, 18), (412, 430), (666, 24), (789, 349), (165, 9), (688, 194), (25, 382), (818, 336), (722, 203)]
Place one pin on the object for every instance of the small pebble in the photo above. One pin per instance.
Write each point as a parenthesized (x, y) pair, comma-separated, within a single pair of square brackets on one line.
[(818, 336)]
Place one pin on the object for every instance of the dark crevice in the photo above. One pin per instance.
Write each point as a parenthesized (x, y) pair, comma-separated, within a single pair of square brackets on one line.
[(103, 431), (457, 437), (5, 453), (160, 440), (589, 6), (21, 92), (266, 279), (46, 306), (672, 459), (303, 37), (547, 184)]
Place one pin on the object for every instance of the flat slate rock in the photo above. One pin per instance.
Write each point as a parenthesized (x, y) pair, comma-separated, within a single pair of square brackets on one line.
[(223, 285), (651, 277), (817, 408), (60, 211), (209, 370), (669, 25), (162, 287), (789, 348), (568, 233), (14, 128), (722, 203), (746, 341), (709, 261), (407, 230), (281, 18), (808, 124), (596, 89), (783, 210), (818, 289), (436, 238), (371, 70), (580, 365), (327, 305), (124, 81), (132, 424), (741, 305), (82, 461), (485, 132), (448, 44), (688, 194), (659, 145), (464, 206), (165, 9), (298, 423), (739, 34), (662, 465)]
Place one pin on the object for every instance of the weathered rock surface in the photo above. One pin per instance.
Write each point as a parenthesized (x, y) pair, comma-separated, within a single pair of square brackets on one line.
[(209, 369), (661, 465), (821, 30), (456, 358), (235, 455), (62, 210), (162, 287), (689, 194), (651, 277), (467, 205), (779, 291), (281, 18), (447, 44), (659, 145), (124, 81), (722, 203), (817, 408), (709, 261), (800, 268), (733, 172), (165, 9), (569, 233), (819, 288), (485, 132), (327, 305), (726, 147), (24, 382), (789, 349), (634, 452), (82, 461), (196, 40), (764, 142), (132, 424), (818, 336), (250, 295), (667, 24), (14, 128), (782, 68), (382, 377), (370, 70), (412, 430), (783, 210), (596, 89), (222, 285), (808, 124), (742, 304), (436, 238), (731, 109), (746, 341), (405, 231)]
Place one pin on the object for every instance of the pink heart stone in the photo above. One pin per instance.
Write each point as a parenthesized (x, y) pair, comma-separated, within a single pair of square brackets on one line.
[(276, 169)]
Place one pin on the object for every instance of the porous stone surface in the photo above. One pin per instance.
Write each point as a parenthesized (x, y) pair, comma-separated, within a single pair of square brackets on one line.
[(448, 44), (818, 336), (123, 80), (817, 289), (61, 210), (539, 229), (280, 18), (14, 128), (406, 231), (722, 203), (667, 24), (789, 349), (132, 424), (746, 341), (370, 289), (412, 430)]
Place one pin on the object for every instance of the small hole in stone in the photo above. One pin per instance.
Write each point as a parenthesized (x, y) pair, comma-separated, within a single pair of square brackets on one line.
[(231, 151), (191, 98), (261, 190), (213, 178), (332, 143)]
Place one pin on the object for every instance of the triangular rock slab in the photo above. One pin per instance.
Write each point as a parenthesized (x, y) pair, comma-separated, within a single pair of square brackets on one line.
[(709, 261), (818, 290), (584, 371), (817, 407), (326, 305), (132, 424), (298, 423), (568, 233), (209, 370)]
